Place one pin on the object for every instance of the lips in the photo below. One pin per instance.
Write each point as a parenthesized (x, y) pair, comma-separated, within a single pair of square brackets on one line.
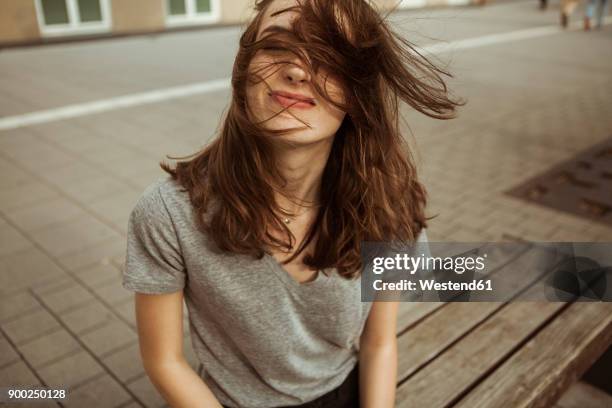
[(287, 99)]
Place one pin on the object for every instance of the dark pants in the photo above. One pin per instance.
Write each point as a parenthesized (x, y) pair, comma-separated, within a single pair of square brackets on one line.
[(346, 395)]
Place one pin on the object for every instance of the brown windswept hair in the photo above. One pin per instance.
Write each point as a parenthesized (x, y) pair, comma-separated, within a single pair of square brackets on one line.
[(369, 188)]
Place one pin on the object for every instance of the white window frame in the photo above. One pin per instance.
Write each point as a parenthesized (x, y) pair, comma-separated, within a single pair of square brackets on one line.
[(74, 25), (410, 4), (191, 16), (413, 4)]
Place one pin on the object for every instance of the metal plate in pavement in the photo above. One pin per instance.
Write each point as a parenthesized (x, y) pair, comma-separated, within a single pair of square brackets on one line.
[(581, 185)]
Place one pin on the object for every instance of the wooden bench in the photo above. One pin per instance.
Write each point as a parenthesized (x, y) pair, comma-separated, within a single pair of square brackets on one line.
[(517, 354)]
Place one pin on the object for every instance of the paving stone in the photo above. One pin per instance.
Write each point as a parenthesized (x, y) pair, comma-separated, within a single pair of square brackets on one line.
[(11, 240), (101, 253), (27, 268), (133, 404), (67, 298), (146, 392), (49, 347), (30, 326), (7, 352), (113, 335), (109, 152), (69, 136), (605, 236), (126, 363), (73, 236), (17, 304), (113, 292), (47, 156), (17, 374), (466, 234), (49, 403), (70, 371), (128, 168), (70, 171), (119, 260), (101, 392), (40, 215), (19, 196), (99, 274), (60, 283), (99, 187), (86, 317), (12, 176), (127, 311), (16, 140), (116, 208), (144, 179)]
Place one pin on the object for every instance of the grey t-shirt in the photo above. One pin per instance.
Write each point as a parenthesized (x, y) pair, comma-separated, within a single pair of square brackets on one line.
[(263, 339)]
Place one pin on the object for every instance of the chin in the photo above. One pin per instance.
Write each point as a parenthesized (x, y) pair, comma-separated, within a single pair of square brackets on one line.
[(302, 137)]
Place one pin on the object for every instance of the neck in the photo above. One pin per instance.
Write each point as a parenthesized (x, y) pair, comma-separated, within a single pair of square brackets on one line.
[(302, 167)]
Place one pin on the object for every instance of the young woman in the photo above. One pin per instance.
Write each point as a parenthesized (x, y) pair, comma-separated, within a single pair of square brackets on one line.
[(260, 232)]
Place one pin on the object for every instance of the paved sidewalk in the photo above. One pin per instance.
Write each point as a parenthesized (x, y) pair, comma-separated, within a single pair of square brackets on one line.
[(67, 187)]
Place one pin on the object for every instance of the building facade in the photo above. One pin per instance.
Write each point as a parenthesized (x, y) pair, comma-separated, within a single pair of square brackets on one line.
[(38, 21)]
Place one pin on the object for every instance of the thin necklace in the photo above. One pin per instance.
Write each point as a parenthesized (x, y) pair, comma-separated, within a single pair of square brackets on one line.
[(288, 220)]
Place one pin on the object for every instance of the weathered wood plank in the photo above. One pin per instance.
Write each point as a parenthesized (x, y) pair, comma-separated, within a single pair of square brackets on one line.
[(410, 313), (444, 326), (537, 374), (444, 380), (432, 336)]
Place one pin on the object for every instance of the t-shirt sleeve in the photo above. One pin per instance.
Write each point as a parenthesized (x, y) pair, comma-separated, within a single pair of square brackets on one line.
[(153, 263)]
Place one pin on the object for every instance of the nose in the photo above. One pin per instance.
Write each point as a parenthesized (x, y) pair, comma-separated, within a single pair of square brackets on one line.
[(295, 74)]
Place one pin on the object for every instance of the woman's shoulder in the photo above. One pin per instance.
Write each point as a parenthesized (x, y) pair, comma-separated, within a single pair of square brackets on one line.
[(163, 198)]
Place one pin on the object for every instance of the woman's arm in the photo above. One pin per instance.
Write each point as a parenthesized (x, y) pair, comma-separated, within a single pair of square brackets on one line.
[(378, 357), (160, 332)]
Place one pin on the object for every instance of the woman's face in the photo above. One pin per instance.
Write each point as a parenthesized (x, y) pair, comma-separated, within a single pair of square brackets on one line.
[(289, 83)]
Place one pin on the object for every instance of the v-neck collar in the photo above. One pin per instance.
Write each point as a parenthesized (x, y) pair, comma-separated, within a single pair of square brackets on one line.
[(283, 275)]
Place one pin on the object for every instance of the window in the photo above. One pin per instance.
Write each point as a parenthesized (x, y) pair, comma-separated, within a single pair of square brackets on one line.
[(413, 3), (59, 17), (423, 3), (182, 12)]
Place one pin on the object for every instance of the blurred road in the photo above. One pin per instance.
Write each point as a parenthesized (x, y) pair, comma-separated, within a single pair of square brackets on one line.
[(536, 96)]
